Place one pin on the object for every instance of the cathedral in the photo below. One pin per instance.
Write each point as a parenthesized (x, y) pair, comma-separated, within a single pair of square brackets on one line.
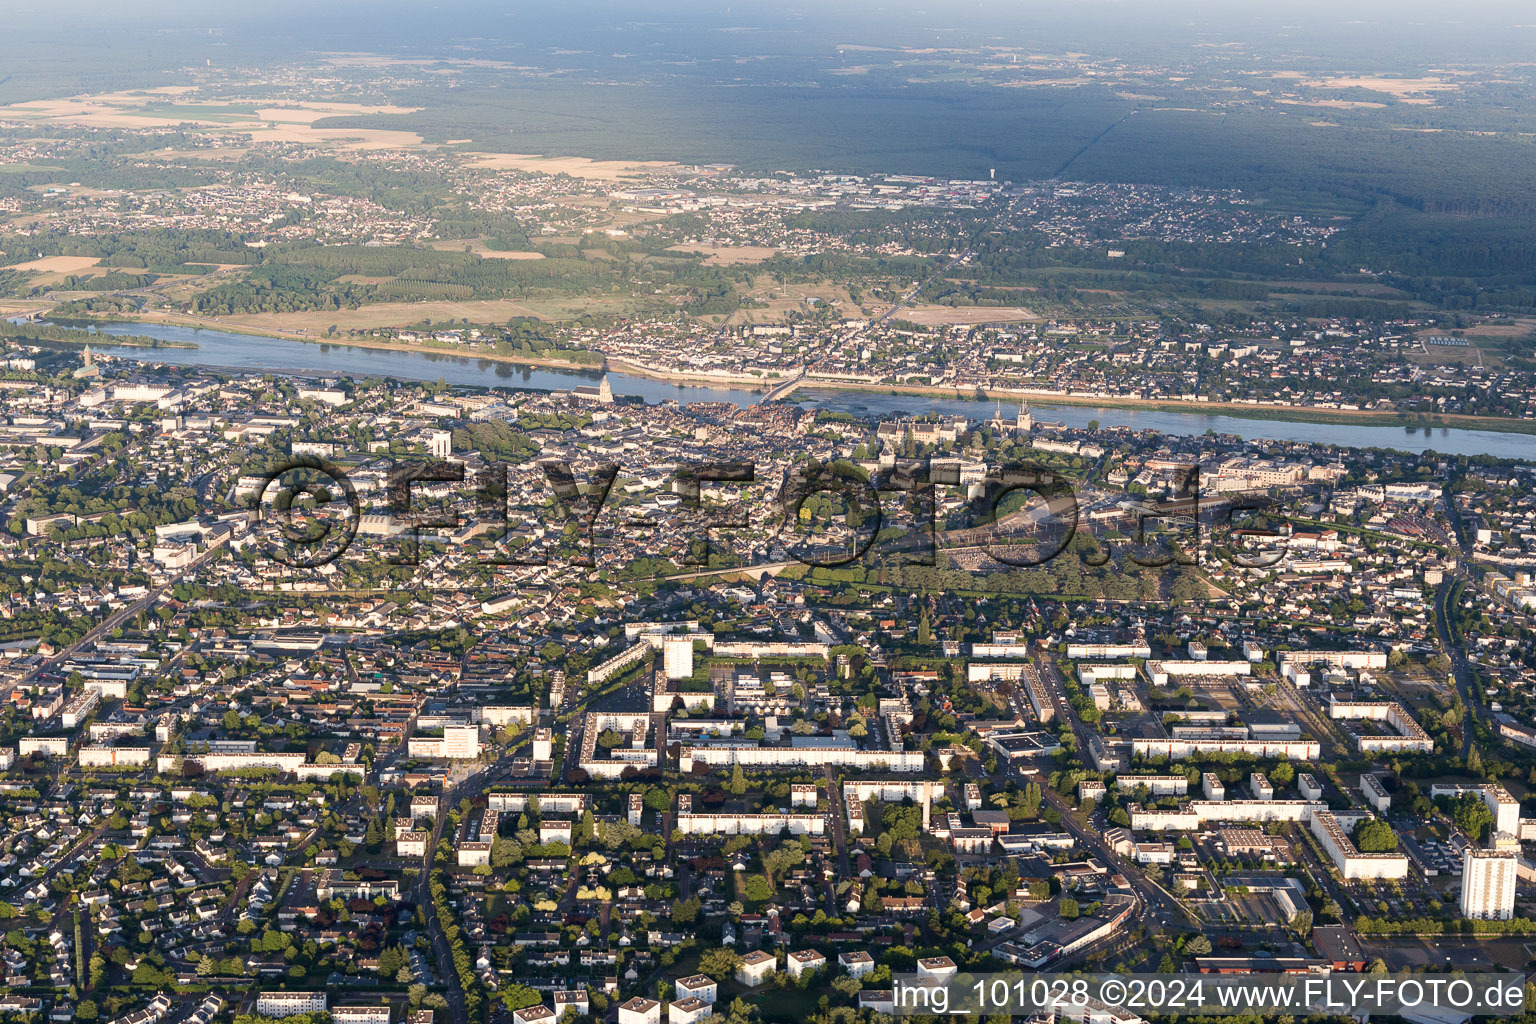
[(1021, 425), (602, 394)]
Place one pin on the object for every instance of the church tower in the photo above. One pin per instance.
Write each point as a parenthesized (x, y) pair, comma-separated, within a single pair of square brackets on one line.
[(88, 368)]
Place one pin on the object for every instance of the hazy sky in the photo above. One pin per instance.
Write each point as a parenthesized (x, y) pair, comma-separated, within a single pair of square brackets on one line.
[(1131, 29)]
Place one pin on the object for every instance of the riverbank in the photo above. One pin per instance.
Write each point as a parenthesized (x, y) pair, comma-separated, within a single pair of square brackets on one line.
[(69, 335), (1237, 410), (126, 341), (747, 382), (457, 351), (615, 364)]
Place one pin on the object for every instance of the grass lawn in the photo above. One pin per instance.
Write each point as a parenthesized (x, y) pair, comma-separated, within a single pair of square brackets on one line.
[(792, 1003)]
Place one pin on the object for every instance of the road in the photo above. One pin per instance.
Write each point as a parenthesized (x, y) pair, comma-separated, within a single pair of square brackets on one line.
[(1158, 907), (1458, 528), (917, 289), (122, 615), (954, 261), (441, 951), (1310, 717), (1447, 594), (783, 388), (466, 789), (69, 857), (834, 812), (1450, 645), (1321, 871)]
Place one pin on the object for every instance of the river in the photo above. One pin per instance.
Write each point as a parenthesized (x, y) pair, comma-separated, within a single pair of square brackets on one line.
[(246, 352)]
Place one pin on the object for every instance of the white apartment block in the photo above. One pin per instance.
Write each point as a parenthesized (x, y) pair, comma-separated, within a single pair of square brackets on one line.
[(360, 1014), (756, 968), (1488, 884), (677, 657), (330, 396), (1157, 785), (857, 791), (640, 1010), (733, 824), (508, 714), (1353, 864), (775, 649), (1375, 794), (857, 963), (111, 689), (233, 762), (936, 969), (697, 985), (571, 804), (287, 1004), (805, 960), (689, 1011), (461, 742), (1160, 672), (801, 757), (1350, 861), (1107, 652), (631, 655), (79, 708), (1191, 745), (1505, 808), (1197, 813), (113, 757), (543, 744), (476, 852), (1034, 688), (572, 999), (1410, 735), (1355, 660), (49, 746)]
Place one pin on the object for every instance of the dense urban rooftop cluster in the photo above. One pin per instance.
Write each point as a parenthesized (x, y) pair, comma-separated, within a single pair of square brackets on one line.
[(507, 770)]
